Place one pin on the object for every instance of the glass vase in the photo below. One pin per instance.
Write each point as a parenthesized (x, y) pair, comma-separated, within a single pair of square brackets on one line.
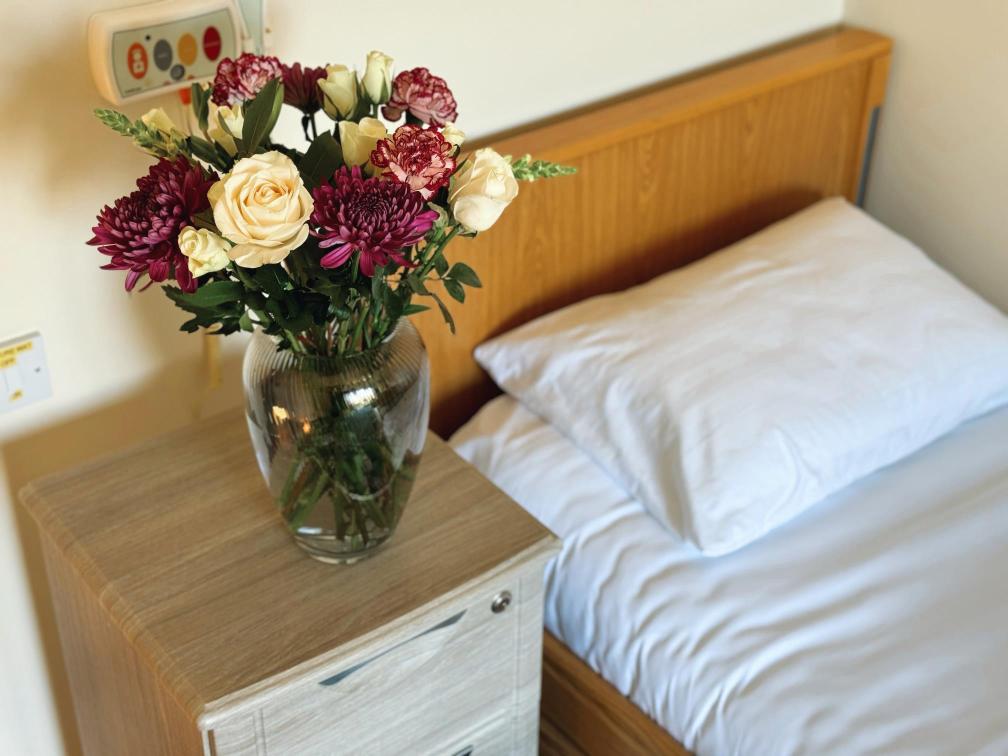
[(339, 439)]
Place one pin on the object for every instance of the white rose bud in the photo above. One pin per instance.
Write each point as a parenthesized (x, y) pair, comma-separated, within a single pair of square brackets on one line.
[(377, 79), (224, 124), (158, 120), (206, 251), (339, 92), (358, 140), (262, 206), (454, 135), (482, 189)]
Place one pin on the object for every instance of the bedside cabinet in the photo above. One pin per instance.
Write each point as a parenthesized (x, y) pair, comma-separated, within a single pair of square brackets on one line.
[(191, 623)]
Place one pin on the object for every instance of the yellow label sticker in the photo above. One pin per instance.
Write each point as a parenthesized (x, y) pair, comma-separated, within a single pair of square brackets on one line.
[(24, 347), (8, 352), (16, 395), (6, 362)]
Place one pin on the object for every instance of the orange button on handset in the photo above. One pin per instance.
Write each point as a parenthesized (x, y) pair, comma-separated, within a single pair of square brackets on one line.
[(136, 60), (186, 49)]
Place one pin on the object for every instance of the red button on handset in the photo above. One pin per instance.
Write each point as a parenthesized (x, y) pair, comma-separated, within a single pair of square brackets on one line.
[(136, 60), (211, 43)]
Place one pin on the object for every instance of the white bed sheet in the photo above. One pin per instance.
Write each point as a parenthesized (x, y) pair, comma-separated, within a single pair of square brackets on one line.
[(874, 623)]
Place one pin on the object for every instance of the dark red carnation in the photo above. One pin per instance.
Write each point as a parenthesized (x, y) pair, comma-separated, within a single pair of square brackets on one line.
[(375, 217), (140, 231), (240, 80), (301, 87), (418, 157), (424, 96)]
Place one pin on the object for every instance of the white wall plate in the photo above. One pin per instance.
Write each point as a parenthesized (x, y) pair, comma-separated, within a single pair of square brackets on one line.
[(24, 374)]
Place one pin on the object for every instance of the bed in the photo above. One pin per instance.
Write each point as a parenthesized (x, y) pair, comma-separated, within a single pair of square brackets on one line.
[(873, 623), (667, 176)]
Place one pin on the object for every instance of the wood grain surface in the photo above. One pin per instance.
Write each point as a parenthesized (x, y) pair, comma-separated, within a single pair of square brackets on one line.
[(179, 544), (120, 707), (583, 714), (665, 177)]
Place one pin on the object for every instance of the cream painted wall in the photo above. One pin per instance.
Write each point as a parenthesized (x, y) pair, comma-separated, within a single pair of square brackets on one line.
[(121, 372), (940, 170)]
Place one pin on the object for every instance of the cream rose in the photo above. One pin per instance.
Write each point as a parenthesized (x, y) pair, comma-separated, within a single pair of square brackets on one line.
[(262, 206), (224, 124), (157, 119), (358, 140), (339, 92), (482, 189), (454, 135), (205, 251), (377, 79)]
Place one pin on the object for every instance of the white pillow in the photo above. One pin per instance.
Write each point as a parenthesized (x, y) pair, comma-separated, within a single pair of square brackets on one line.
[(730, 395)]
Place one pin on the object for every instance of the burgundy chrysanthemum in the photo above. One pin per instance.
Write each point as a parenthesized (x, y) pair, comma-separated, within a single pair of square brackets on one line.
[(418, 157), (424, 96), (240, 80), (140, 231), (378, 218), (301, 87)]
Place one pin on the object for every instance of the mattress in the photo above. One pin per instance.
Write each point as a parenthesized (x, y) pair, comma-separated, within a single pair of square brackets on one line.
[(874, 623)]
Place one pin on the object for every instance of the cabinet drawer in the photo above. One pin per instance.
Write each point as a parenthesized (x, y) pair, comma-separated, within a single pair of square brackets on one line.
[(495, 737), (424, 689), (488, 736)]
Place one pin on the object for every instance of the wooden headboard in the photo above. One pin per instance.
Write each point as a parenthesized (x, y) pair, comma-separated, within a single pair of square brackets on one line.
[(665, 177)]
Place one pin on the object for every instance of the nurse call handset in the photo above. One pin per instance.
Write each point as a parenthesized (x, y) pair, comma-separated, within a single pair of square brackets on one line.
[(147, 50)]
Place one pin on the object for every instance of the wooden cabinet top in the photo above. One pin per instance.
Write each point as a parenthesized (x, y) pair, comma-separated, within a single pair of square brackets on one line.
[(181, 543)]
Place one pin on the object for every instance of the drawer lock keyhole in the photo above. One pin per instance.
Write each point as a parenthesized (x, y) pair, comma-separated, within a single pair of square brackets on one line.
[(501, 602)]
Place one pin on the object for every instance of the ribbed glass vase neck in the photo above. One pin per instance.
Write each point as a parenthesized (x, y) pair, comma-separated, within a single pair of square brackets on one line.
[(325, 363)]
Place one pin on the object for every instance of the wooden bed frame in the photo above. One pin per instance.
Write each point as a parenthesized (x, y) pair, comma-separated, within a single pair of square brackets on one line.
[(666, 176)]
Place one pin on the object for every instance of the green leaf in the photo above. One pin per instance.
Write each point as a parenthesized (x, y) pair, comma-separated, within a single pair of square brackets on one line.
[(211, 294), (440, 264), (444, 312), (272, 279), (209, 307), (321, 160), (201, 104), (206, 152), (393, 306), (416, 285), (261, 116), (205, 219), (454, 289), (464, 274), (413, 309), (378, 287), (245, 322)]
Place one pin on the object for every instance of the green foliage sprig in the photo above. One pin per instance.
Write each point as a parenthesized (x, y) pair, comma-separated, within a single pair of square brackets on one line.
[(152, 141), (527, 169)]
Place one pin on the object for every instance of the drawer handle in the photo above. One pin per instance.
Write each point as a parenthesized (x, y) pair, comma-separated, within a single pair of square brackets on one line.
[(360, 665), (501, 602)]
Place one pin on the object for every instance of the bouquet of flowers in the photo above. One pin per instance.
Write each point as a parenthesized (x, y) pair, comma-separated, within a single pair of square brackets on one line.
[(324, 248)]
